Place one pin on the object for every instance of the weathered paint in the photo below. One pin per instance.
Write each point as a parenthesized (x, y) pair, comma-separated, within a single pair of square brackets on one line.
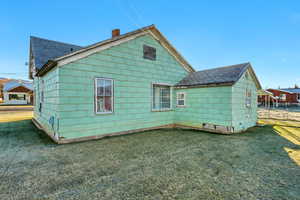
[(242, 116), (69, 94), (133, 77), (51, 101), (211, 105)]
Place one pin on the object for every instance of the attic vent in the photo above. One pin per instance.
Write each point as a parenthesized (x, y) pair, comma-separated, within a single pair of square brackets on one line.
[(149, 52)]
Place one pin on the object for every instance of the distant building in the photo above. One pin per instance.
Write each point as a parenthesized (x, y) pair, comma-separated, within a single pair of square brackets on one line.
[(285, 97), (2, 82), (18, 92)]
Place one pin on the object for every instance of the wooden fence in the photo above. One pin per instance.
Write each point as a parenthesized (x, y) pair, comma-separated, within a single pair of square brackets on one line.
[(278, 114)]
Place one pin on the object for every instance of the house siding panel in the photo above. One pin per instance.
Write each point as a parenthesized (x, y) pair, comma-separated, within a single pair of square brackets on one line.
[(211, 105), (132, 75), (51, 100), (242, 116)]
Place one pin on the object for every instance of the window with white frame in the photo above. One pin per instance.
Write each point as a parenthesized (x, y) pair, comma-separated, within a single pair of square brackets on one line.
[(248, 98), (161, 97), (180, 98), (104, 95)]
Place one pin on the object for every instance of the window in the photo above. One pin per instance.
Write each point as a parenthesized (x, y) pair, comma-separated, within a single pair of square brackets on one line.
[(17, 97), (161, 97), (42, 91), (248, 98), (283, 97), (103, 95), (180, 99), (149, 52)]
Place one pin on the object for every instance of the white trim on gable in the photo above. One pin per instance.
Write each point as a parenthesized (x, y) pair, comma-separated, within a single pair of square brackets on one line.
[(82, 53), (93, 49)]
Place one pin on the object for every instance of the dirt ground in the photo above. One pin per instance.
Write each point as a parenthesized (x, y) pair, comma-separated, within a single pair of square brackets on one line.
[(262, 163)]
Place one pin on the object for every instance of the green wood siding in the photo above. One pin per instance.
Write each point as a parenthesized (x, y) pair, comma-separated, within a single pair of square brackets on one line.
[(133, 77), (243, 117), (51, 100), (69, 94), (210, 105)]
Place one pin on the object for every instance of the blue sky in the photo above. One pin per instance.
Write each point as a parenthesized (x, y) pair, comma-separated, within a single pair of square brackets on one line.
[(207, 33)]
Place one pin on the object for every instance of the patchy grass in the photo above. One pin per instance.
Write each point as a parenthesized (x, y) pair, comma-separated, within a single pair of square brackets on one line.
[(161, 164)]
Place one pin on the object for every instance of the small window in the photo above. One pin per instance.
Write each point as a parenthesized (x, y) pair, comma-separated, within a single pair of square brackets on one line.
[(161, 97), (149, 52), (248, 98), (103, 95), (17, 97), (180, 99), (42, 91)]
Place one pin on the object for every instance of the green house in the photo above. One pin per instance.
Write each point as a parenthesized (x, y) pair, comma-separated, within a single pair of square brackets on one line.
[(134, 82)]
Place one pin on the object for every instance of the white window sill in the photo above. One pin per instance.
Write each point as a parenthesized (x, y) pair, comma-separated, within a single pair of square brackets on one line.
[(162, 110), (181, 106), (103, 113)]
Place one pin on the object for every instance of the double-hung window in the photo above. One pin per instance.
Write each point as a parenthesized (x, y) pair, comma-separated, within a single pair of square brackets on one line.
[(180, 98), (161, 97), (104, 95)]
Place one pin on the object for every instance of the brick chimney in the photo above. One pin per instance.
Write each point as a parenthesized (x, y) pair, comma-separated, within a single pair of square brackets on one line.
[(115, 33)]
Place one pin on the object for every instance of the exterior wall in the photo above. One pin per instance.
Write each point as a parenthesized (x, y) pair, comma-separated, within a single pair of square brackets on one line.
[(290, 98), (211, 105), (133, 77), (17, 102), (51, 100), (242, 116)]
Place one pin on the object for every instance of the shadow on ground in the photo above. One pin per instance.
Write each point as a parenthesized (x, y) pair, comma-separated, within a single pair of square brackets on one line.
[(161, 164)]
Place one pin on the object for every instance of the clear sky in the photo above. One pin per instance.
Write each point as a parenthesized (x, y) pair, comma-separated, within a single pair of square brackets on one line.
[(207, 33)]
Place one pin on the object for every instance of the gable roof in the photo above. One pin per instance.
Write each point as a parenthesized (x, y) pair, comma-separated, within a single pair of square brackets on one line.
[(43, 50), (227, 75), (17, 83), (46, 62)]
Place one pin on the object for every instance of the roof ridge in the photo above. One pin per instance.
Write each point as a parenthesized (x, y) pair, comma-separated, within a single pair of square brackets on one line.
[(55, 41), (222, 67)]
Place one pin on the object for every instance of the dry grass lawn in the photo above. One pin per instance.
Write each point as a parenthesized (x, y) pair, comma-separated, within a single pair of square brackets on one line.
[(162, 164), (11, 116)]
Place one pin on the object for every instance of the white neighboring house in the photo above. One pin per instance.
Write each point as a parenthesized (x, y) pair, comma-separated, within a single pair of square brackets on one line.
[(18, 92)]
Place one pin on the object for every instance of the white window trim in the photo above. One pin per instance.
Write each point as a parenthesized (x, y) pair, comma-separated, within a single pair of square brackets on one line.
[(171, 97), (184, 99), (248, 91), (95, 95)]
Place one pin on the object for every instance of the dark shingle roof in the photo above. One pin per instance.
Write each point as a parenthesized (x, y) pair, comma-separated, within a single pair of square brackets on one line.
[(44, 50), (222, 75)]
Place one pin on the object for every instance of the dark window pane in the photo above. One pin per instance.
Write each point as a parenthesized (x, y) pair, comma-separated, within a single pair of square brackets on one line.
[(107, 104), (149, 52), (100, 104), (108, 88), (181, 102), (100, 87)]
